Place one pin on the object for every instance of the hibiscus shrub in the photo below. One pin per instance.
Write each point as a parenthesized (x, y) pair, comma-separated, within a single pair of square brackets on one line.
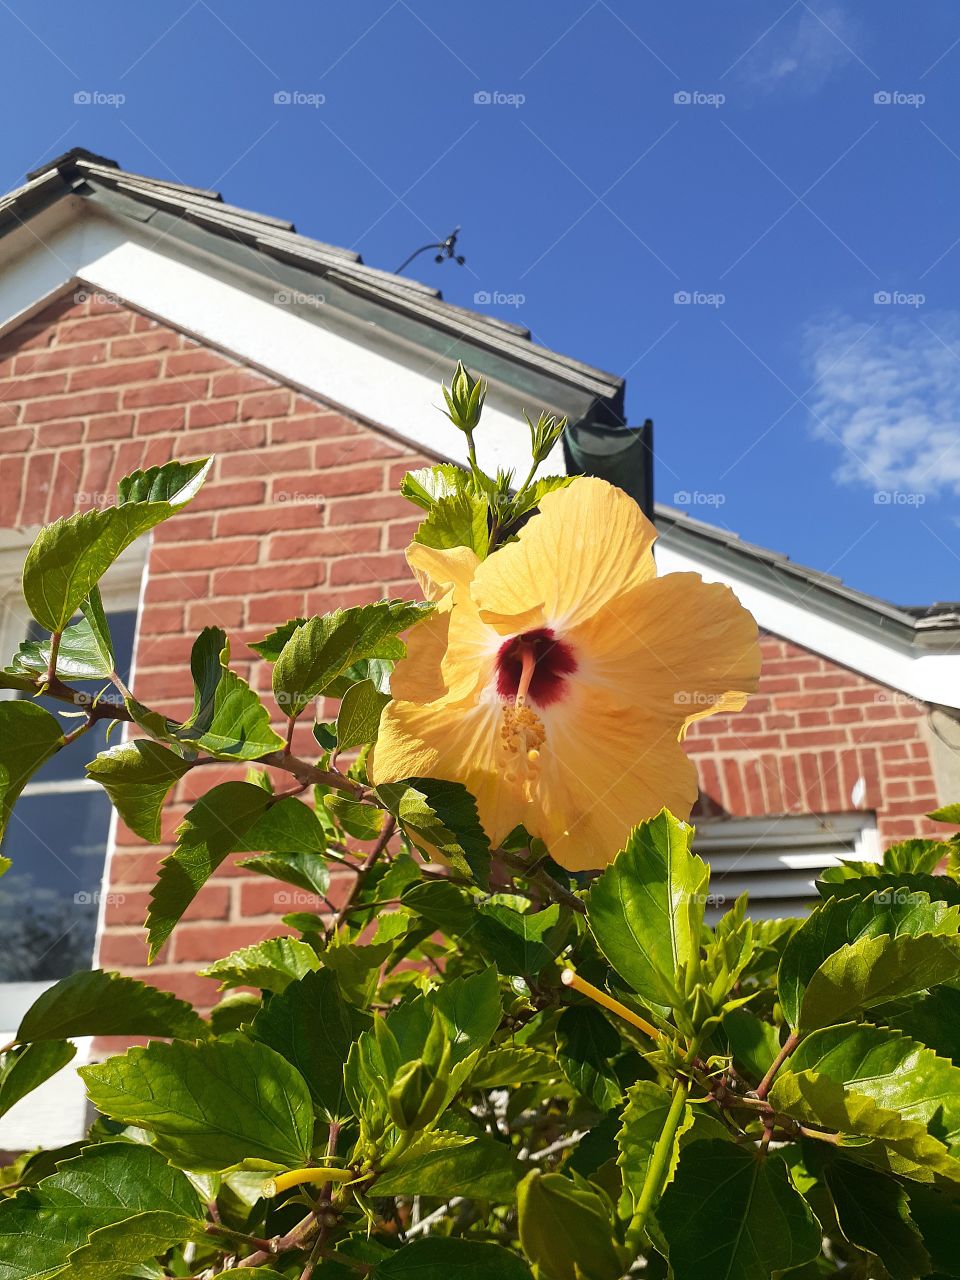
[(479, 1063)]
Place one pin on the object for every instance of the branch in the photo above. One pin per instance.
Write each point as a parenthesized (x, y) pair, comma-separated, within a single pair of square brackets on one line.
[(363, 871), (791, 1042)]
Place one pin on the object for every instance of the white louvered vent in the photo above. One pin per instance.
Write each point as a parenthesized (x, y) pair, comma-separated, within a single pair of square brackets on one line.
[(777, 860)]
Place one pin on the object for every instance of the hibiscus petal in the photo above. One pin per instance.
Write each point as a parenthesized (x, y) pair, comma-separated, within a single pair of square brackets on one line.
[(588, 545), (456, 742), (676, 647)]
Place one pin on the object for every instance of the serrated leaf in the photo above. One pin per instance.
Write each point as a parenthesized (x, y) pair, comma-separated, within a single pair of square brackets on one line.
[(106, 1183), (511, 1065), (646, 910), (271, 965), (307, 871), (520, 943), (894, 1144), (428, 485), (69, 557), (874, 1214), (358, 720), (457, 520), (840, 921), (441, 820), (357, 968), (439, 1258), (920, 856), (362, 821), (947, 813), (28, 736), (483, 1169), (271, 646), (209, 1105), (643, 1121), (585, 1044), (117, 1250), (873, 970), (84, 652), (313, 1027), (235, 817), (138, 776), (27, 1067), (932, 1018), (228, 721), (324, 648), (100, 1003), (441, 905), (565, 1229), (898, 1073), (536, 493), (849, 881), (733, 1213)]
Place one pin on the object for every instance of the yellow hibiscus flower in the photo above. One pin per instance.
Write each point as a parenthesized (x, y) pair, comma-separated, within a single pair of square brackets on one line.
[(557, 677)]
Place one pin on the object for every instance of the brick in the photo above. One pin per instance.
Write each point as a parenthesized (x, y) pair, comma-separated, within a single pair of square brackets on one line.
[(263, 897), (11, 482), (51, 384), (143, 344), (330, 484), (77, 406), (357, 510), (314, 427), (217, 497), (266, 578), (179, 391), (51, 435), (265, 462), (162, 587), (215, 613), (268, 519), (363, 568), (114, 375), (60, 358), (324, 542), (198, 943), (212, 413), (110, 426), (236, 381), (266, 404), (206, 555), (198, 360), (89, 328), (272, 610)]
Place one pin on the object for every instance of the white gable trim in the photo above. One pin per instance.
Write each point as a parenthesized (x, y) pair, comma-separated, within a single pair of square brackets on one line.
[(357, 367), (928, 677)]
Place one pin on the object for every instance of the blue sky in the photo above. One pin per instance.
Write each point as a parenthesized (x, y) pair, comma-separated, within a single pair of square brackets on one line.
[(794, 172)]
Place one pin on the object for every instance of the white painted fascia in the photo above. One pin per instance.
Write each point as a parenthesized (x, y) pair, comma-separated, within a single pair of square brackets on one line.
[(928, 677), (357, 367)]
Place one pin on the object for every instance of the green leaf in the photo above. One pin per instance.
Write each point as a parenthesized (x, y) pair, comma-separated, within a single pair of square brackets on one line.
[(25, 1068), (312, 1027), (849, 881), (69, 557), (439, 1258), (733, 1213), (235, 817), (307, 871), (873, 970), (428, 485), (933, 1018), (271, 646), (938, 1219), (28, 736), (323, 649), (470, 1011), (441, 905), (565, 1229), (536, 493), (458, 520), (483, 1169), (947, 813), (99, 1003), (897, 1072), (441, 819), (84, 652), (228, 721), (362, 821), (358, 721), (513, 1065), (644, 1118), (209, 1105), (271, 965), (585, 1044), (753, 1043), (874, 1214), (895, 1145), (921, 856), (840, 921), (520, 943), (118, 1250), (107, 1183), (357, 968), (138, 776), (646, 910)]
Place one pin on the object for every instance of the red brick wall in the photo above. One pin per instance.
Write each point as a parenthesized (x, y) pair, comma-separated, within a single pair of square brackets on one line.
[(301, 515), (802, 742)]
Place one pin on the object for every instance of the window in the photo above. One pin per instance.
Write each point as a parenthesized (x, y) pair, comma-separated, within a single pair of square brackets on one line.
[(59, 830), (777, 859)]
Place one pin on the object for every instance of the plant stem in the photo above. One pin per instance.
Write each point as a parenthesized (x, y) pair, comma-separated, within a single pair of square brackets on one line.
[(791, 1042), (363, 871), (659, 1166), (52, 662)]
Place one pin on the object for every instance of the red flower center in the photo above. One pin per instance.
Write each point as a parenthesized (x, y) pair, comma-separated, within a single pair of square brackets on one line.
[(552, 660)]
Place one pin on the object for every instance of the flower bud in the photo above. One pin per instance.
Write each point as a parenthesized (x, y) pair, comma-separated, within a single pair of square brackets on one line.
[(416, 1096), (544, 434), (465, 399)]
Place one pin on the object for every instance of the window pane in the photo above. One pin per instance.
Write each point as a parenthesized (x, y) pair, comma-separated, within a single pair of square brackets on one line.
[(69, 764), (49, 899)]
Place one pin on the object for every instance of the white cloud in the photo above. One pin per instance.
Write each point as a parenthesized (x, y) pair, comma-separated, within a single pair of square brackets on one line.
[(887, 394), (802, 52)]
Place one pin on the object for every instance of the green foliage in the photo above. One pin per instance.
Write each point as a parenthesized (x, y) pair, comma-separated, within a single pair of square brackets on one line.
[(470, 1064)]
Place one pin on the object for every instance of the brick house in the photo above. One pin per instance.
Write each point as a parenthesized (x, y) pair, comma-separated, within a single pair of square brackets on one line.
[(142, 321)]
